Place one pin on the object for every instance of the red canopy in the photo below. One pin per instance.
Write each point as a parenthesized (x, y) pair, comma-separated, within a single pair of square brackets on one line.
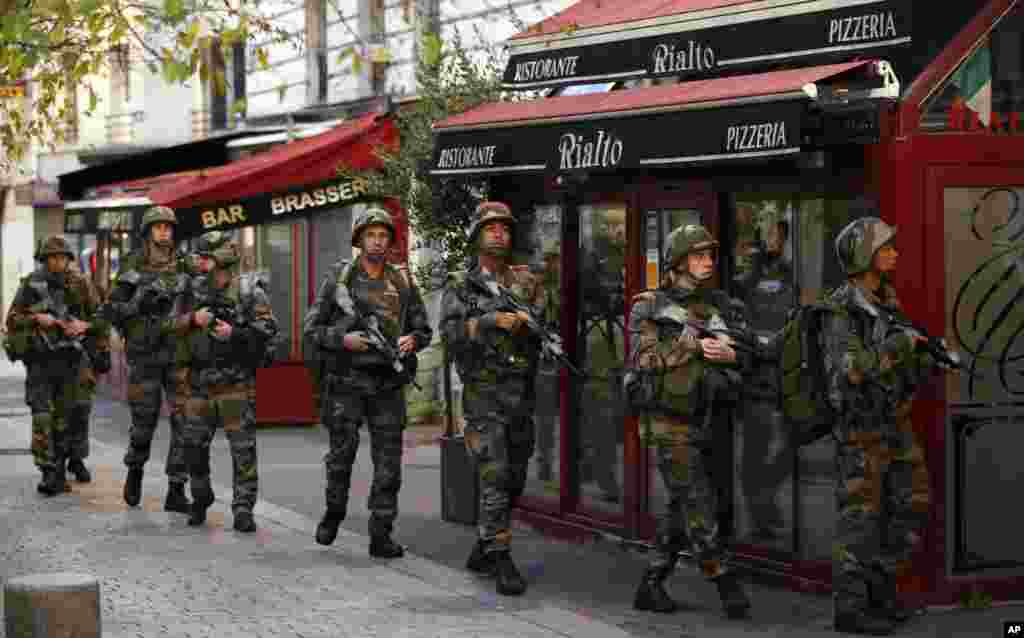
[(299, 163)]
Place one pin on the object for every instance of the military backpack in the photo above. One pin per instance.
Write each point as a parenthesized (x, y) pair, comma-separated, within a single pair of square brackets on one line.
[(803, 386)]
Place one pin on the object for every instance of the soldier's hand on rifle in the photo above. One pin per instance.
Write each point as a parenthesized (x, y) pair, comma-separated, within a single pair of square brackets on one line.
[(407, 344), (44, 320), (202, 317), (511, 321), (222, 330), (717, 350), (356, 342), (75, 327)]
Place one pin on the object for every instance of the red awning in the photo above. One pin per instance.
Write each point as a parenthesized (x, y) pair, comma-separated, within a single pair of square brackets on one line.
[(598, 13), (143, 186), (686, 95), (295, 164)]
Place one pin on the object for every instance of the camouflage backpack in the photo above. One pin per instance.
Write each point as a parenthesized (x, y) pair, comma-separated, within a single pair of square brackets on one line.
[(803, 386)]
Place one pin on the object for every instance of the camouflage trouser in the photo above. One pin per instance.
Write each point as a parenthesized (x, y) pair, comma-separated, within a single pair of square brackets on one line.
[(80, 412), (228, 406), (500, 438), (347, 402), (877, 526), (50, 390), (691, 516), (147, 385)]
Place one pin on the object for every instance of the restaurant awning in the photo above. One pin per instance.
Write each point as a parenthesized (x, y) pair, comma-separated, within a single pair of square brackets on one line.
[(293, 179), (601, 41), (688, 123), (118, 206)]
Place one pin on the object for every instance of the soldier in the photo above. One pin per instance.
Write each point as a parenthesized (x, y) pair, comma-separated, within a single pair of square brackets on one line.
[(147, 286), (361, 380), (699, 377), (223, 337), (874, 369), (51, 323), (95, 360), (497, 361)]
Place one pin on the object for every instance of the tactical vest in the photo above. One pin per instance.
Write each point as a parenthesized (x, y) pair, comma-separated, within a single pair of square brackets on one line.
[(31, 343), (143, 333), (235, 306)]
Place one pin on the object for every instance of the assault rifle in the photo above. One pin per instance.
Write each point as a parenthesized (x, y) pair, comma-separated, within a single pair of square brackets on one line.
[(383, 345), (742, 341), (934, 346), (63, 320), (551, 343)]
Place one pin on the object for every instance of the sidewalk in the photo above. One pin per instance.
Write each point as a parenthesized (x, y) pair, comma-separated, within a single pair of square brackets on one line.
[(160, 577)]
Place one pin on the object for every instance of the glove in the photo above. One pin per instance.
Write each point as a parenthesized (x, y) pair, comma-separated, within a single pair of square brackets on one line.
[(102, 363)]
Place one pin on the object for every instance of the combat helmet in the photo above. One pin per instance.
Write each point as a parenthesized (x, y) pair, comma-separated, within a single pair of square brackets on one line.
[(155, 215), (684, 240), (857, 244), (227, 255), (54, 245), (372, 215), (488, 212), (209, 242)]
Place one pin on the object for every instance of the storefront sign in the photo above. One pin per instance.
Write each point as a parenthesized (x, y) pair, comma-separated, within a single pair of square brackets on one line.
[(663, 139), (268, 207), (745, 41), (93, 220)]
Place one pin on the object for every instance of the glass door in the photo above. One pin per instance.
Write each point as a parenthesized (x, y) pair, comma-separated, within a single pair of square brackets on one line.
[(662, 210), (983, 216)]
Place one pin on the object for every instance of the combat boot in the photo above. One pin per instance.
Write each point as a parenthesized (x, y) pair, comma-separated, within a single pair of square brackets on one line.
[(883, 602), (381, 546), (480, 561), (61, 477), (734, 600), (48, 485), (509, 581), (244, 521), (859, 622), (133, 486), (77, 467), (176, 501), (327, 530), (200, 503), (651, 594)]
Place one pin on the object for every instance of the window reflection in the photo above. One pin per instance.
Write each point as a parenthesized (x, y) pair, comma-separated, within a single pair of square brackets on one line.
[(602, 353)]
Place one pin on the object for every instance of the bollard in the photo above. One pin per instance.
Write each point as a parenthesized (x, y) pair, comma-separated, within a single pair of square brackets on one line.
[(59, 605)]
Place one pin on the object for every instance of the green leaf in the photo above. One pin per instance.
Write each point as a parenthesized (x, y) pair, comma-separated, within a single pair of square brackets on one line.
[(93, 100), (432, 47), (281, 90), (261, 58), (357, 62), (174, 10)]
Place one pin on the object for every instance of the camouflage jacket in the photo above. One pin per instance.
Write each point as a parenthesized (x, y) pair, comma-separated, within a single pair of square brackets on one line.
[(142, 303), (872, 368), (676, 365), (203, 359), (482, 352), (73, 296), (347, 296)]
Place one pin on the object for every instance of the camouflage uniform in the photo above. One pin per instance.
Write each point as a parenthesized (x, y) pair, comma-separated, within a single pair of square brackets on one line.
[(54, 361), (693, 397), (214, 379), (360, 386), (498, 372), (873, 372), (148, 284), (95, 361)]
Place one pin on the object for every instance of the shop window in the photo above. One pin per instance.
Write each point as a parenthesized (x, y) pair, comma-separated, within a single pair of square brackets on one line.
[(331, 238), (987, 90), (782, 256), (281, 255), (543, 254), (984, 321), (602, 352)]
